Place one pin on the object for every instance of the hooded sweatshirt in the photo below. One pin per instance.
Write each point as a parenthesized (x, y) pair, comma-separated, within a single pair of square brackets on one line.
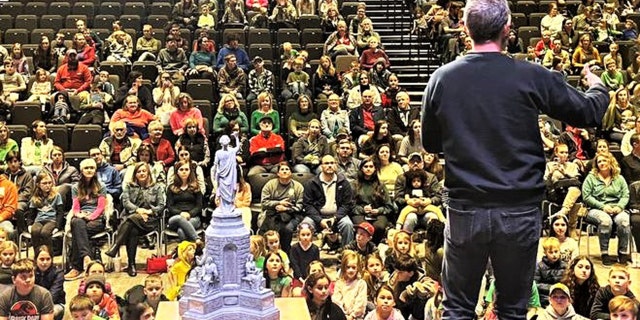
[(550, 314), (179, 271)]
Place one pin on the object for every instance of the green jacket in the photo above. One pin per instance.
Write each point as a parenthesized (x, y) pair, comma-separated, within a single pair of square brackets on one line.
[(596, 194)]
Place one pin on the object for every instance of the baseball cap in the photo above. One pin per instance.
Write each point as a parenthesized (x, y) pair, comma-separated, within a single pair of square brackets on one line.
[(95, 278), (560, 286), (257, 59), (366, 226), (415, 155)]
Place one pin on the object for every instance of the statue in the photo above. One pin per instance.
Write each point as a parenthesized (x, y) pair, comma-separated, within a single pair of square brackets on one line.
[(207, 274), (254, 275), (225, 173)]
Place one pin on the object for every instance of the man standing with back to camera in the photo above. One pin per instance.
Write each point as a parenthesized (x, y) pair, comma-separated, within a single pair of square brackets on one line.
[(482, 112)]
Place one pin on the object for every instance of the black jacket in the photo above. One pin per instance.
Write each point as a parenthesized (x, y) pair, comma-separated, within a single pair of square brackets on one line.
[(356, 120), (53, 280), (314, 198), (600, 308)]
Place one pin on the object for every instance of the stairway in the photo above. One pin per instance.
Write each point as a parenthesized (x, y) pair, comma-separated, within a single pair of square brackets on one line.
[(411, 59)]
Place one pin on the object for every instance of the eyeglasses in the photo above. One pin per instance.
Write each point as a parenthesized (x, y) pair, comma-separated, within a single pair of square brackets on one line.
[(559, 298), (183, 154), (119, 129), (190, 127), (329, 163)]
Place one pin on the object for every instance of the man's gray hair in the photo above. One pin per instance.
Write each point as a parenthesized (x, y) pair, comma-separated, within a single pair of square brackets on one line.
[(486, 19)]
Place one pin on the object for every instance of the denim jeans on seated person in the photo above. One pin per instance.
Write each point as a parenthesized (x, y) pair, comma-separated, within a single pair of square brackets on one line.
[(605, 222), (473, 235)]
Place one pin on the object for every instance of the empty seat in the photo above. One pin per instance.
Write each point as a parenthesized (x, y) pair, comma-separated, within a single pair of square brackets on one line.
[(103, 21), (311, 36), (131, 22), (148, 69), (25, 113), (26, 21), (85, 137), (110, 8), (85, 8), (343, 63), (52, 21), (535, 18), (309, 22), (36, 8), (158, 21), (200, 89), (348, 8), (74, 158), (287, 35), (18, 131), (59, 134), (161, 8), (263, 50), (518, 19), (205, 107), (528, 32), (135, 8), (16, 36), (525, 6), (60, 8), (28, 50), (6, 22), (258, 35), (315, 50), (13, 7)]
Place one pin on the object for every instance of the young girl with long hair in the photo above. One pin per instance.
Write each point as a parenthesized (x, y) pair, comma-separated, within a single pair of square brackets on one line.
[(89, 199), (402, 245), (583, 284), (316, 288), (51, 278), (277, 278), (184, 202), (350, 292), (47, 209)]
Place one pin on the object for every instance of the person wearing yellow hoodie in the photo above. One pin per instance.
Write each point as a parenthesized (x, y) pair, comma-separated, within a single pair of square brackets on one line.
[(8, 203), (180, 269)]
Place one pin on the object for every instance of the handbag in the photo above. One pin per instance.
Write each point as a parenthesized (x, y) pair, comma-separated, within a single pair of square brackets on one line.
[(157, 264)]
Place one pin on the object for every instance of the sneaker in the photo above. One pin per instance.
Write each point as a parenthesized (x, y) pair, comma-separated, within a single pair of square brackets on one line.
[(608, 260), (73, 275), (624, 258)]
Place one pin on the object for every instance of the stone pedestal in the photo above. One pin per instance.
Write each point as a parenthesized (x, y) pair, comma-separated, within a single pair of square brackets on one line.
[(237, 290)]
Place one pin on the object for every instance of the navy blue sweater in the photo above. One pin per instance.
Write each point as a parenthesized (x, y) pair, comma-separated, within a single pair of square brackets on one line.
[(482, 112)]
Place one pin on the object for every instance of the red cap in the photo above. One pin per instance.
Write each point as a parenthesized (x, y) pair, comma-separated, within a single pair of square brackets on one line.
[(366, 226)]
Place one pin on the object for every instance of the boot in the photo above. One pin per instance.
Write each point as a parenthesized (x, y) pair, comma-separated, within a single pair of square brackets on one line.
[(570, 208), (120, 239)]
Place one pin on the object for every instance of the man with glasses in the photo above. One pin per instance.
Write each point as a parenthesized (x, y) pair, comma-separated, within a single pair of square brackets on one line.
[(107, 174), (328, 201), (119, 149)]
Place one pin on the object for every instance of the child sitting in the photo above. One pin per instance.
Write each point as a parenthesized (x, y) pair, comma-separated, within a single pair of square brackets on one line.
[(362, 244), (419, 206), (105, 306), (149, 293), (105, 85), (8, 251), (374, 276), (180, 269), (550, 269), (41, 89), (612, 78), (272, 238), (258, 250), (81, 308), (303, 252), (619, 281), (297, 82), (206, 19), (93, 107), (623, 308), (350, 292), (385, 303), (60, 109)]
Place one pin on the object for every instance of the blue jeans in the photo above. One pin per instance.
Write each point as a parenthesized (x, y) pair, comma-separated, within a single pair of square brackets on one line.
[(509, 237), (186, 229), (344, 227), (605, 222)]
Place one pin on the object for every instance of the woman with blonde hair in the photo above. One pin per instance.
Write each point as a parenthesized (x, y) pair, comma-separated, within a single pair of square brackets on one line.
[(164, 97), (265, 108), (229, 109), (586, 53), (325, 80), (606, 194)]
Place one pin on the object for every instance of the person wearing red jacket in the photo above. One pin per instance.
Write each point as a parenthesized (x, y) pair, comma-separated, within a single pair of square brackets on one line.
[(164, 149), (73, 77), (266, 149)]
